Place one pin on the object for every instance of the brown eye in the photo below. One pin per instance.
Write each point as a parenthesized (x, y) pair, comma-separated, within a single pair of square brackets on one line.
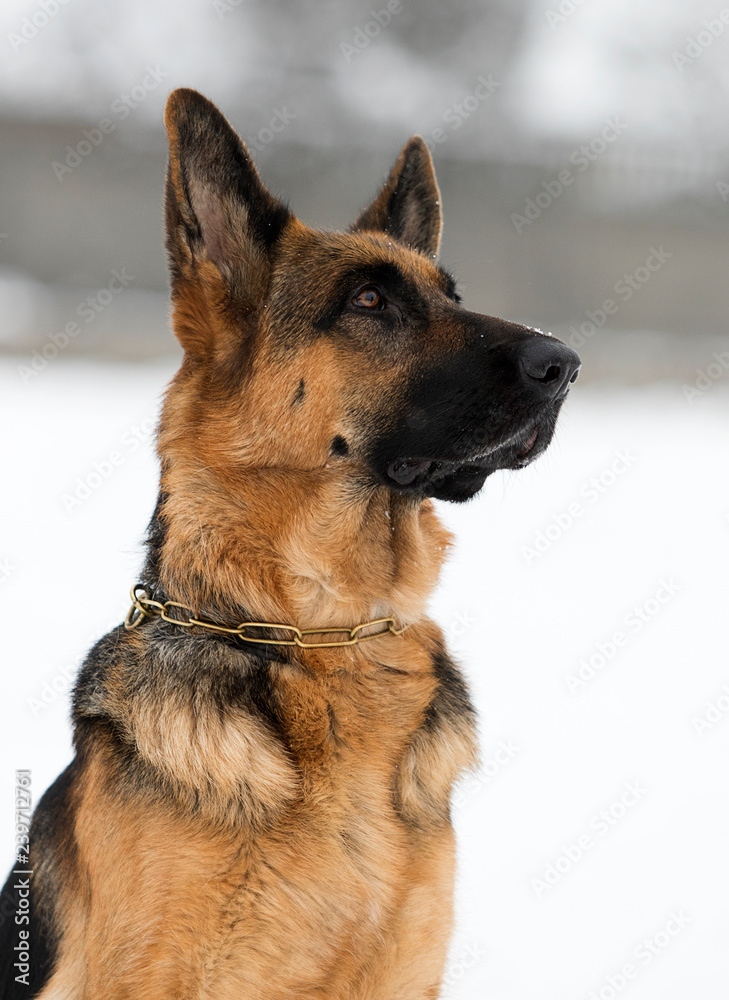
[(369, 298)]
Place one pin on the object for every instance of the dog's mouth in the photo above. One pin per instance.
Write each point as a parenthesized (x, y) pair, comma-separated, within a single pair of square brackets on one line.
[(406, 471), (461, 478)]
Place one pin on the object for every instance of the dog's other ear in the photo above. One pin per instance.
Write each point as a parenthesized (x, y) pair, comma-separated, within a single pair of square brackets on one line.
[(408, 206), (222, 223)]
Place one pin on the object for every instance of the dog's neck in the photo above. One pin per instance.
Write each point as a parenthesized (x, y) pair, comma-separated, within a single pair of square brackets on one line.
[(301, 547)]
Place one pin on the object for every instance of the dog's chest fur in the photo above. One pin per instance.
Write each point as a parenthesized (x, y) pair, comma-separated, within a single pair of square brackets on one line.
[(319, 796), (242, 739)]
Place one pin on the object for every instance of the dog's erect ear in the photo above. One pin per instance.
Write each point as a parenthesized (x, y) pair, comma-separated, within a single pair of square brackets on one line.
[(408, 206), (218, 211)]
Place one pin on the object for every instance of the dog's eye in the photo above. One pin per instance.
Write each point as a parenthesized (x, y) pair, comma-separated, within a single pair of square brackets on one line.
[(369, 297)]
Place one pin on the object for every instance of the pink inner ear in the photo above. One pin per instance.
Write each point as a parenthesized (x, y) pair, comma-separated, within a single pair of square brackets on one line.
[(214, 221)]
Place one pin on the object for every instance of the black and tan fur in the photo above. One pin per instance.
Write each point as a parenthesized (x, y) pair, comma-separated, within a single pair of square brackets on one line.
[(255, 821)]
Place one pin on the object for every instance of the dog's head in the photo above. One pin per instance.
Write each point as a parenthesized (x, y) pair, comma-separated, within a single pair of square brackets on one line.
[(329, 348)]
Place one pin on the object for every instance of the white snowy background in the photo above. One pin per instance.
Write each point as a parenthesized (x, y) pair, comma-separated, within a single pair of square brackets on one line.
[(593, 843)]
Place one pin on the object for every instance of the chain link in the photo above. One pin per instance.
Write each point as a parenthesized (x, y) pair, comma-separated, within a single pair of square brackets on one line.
[(143, 607)]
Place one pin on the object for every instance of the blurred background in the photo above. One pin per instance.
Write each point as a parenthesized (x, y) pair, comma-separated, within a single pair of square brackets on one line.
[(628, 99), (582, 149)]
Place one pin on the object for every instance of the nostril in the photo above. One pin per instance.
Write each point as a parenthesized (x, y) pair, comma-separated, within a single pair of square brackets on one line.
[(548, 363), (552, 373), (574, 377)]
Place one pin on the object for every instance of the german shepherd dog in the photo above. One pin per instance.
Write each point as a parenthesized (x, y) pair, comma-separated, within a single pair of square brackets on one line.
[(258, 807)]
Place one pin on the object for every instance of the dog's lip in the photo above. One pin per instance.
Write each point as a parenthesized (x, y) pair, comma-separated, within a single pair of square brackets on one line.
[(528, 445), (414, 471), (406, 470)]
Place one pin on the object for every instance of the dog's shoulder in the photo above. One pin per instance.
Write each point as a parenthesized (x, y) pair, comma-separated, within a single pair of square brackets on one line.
[(442, 749), (186, 718)]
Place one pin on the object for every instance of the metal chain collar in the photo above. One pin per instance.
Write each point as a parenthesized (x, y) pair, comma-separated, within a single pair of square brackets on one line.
[(143, 607)]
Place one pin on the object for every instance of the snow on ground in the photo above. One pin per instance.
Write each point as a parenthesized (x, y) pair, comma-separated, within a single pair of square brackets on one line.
[(593, 842)]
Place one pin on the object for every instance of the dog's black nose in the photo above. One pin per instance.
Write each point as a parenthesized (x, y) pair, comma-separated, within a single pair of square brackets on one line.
[(549, 363)]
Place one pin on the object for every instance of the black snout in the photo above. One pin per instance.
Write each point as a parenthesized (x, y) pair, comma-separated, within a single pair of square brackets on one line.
[(550, 364), (491, 405)]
